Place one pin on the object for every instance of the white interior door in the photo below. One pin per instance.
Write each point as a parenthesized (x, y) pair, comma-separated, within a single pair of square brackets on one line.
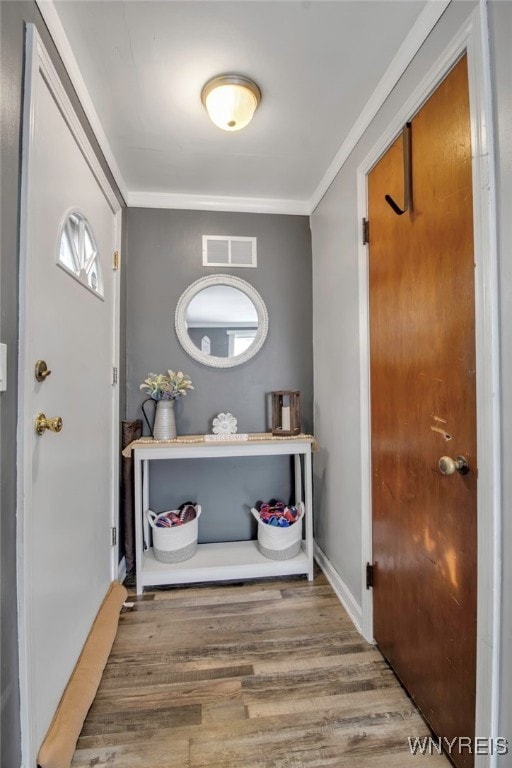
[(68, 296)]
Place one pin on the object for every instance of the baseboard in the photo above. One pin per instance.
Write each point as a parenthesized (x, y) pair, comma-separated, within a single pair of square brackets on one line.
[(343, 593), (122, 570)]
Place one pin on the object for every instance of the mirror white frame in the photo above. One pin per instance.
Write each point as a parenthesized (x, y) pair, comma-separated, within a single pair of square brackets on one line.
[(181, 324)]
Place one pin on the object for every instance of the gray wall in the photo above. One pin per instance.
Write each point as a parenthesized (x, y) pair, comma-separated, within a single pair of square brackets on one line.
[(500, 25), (164, 255), (335, 237), (12, 17)]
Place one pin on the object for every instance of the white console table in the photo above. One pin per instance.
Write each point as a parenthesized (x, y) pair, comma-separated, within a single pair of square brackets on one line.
[(225, 560)]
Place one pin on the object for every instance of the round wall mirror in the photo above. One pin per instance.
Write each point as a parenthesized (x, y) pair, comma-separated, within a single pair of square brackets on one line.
[(221, 321)]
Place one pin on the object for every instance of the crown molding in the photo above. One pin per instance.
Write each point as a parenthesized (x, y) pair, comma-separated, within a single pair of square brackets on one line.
[(421, 29), (56, 30), (218, 203)]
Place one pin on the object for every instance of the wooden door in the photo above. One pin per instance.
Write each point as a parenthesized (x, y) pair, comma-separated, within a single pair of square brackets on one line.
[(423, 407), (67, 299)]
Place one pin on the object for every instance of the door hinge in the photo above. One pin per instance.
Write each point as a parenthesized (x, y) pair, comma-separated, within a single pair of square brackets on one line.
[(370, 569), (114, 374), (115, 261), (113, 536), (366, 231)]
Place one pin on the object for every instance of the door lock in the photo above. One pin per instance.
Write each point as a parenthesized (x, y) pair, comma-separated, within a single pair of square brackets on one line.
[(41, 371), (447, 465), (41, 424)]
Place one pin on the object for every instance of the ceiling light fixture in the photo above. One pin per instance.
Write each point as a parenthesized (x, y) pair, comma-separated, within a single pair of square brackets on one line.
[(231, 101)]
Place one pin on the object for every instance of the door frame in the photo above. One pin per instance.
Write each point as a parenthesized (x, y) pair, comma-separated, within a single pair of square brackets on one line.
[(472, 38), (38, 60)]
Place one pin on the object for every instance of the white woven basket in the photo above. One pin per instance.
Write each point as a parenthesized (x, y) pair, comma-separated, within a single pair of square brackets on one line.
[(173, 545), (279, 543)]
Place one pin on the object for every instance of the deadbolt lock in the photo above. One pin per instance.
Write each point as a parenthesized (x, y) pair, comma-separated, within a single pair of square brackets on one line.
[(447, 465), (41, 424), (41, 371)]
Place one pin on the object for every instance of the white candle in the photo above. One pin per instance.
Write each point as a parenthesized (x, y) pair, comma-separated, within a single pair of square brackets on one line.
[(285, 418)]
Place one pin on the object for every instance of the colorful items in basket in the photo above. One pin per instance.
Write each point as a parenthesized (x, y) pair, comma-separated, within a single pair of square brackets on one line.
[(277, 513), (183, 514)]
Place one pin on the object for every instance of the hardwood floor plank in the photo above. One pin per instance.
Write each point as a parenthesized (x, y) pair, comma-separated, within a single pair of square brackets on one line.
[(307, 588), (376, 700), (318, 682), (163, 753), (229, 614), (132, 676), (293, 664), (158, 697), (142, 720), (245, 645), (221, 597)]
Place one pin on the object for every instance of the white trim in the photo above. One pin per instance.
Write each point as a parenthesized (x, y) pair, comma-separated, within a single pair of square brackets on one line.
[(424, 24), (473, 38), (37, 60), (343, 593), (365, 411), (24, 496), (121, 570), (116, 330), (487, 382), (176, 201), (54, 24)]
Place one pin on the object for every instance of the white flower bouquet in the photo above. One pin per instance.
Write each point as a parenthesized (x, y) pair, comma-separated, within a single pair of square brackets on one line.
[(167, 386)]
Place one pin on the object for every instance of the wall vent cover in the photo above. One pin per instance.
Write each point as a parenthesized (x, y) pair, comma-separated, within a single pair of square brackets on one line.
[(225, 251)]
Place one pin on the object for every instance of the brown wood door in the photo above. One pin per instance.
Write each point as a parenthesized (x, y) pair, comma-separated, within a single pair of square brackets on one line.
[(423, 406)]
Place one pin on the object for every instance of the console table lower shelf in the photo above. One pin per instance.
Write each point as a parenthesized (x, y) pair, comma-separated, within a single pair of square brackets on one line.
[(222, 561)]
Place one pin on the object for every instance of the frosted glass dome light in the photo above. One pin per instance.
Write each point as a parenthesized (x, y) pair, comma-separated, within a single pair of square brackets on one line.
[(231, 101)]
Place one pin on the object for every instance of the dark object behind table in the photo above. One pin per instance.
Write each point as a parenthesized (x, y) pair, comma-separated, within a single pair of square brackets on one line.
[(131, 430)]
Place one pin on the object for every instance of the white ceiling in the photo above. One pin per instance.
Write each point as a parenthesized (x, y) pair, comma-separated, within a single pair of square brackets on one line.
[(317, 63)]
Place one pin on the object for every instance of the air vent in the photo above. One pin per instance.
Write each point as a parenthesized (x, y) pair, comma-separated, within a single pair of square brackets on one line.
[(224, 251)]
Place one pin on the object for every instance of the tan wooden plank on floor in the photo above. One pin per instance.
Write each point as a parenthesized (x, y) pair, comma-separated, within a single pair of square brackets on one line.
[(268, 674), (164, 751)]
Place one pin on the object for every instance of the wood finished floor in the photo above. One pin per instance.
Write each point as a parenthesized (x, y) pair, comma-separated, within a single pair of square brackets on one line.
[(258, 675)]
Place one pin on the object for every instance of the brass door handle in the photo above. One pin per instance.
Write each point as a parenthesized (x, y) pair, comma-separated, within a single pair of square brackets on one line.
[(447, 465), (41, 424)]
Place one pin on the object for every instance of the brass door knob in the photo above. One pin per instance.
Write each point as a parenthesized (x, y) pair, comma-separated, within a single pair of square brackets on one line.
[(447, 465), (41, 424)]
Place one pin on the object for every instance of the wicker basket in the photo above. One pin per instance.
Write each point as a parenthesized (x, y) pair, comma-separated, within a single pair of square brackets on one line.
[(279, 543), (173, 545)]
